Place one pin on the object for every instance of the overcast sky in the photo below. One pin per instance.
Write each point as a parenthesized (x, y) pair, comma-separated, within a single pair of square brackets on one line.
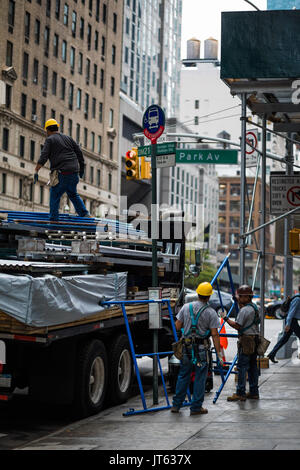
[(202, 18)]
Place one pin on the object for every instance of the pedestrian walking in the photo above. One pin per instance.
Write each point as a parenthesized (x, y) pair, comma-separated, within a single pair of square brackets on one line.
[(66, 165), (246, 324), (291, 326), (199, 322)]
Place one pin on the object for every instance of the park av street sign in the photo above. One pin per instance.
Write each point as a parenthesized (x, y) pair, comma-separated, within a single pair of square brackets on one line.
[(207, 156)]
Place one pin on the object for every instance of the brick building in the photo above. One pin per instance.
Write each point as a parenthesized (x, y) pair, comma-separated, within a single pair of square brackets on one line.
[(59, 59)]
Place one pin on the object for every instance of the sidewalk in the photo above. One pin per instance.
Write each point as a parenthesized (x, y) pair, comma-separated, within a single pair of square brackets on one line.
[(271, 423)]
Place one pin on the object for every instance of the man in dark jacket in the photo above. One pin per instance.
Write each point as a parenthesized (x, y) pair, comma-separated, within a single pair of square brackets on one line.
[(66, 158)]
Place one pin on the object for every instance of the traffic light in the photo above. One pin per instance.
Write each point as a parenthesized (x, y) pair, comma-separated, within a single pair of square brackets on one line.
[(145, 169), (294, 241), (132, 164)]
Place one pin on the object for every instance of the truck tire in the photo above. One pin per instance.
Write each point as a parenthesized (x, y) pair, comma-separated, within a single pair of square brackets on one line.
[(91, 378), (121, 370)]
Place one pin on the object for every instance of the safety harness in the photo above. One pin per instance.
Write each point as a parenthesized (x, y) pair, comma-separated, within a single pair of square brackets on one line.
[(256, 320), (194, 332)]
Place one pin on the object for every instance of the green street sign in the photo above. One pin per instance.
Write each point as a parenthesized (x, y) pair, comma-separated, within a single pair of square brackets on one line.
[(165, 148), (212, 156)]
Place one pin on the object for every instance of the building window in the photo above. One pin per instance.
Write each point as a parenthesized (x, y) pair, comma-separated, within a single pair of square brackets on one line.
[(66, 14), (71, 95), (11, 13), (45, 78), (33, 107), (86, 106), (8, 92), (9, 53), (112, 86), (41, 194), (89, 36), (72, 58), (95, 75), (101, 79), (5, 139), (55, 45), (88, 70), (96, 41), (32, 150), (111, 118), (92, 173), (62, 123), (100, 112), (74, 23), (235, 206), (25, 65), (43, 114), (94, 108), (196, 104), (85, 137), (54, 83), (196, 120), (35, 77), (99, 147), (46, 41), (113, 54), (64, 51), (3, 186), (48, 8), (109, 182), (103, 46), (57, 9), (98, 177), (81, 28), (80, 63), (70, 127), (23, 104), (78, 99), (27, 26), (78, 133), (111, 150), (22, 146), (115, 22), (20, 188), (97, 10), (235, 190), (37, 29), (104, 13)]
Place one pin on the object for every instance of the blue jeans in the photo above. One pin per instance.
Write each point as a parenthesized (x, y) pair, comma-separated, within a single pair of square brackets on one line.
[(247, 363), (295, 328), (184, 378), (67, 184)]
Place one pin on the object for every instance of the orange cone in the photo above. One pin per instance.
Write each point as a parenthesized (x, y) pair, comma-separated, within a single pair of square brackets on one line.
[(223, 339)]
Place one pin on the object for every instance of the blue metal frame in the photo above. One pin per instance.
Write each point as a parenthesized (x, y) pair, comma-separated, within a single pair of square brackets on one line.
[(224, 378), (122, 303)]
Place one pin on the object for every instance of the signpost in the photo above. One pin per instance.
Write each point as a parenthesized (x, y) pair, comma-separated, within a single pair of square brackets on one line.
[(284, 193), (154, 125), (207, 156), (251, 150)]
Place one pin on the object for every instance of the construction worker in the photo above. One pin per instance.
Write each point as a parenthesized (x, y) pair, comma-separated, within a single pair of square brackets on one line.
[(66, 165), (246, 324), (199, 322)]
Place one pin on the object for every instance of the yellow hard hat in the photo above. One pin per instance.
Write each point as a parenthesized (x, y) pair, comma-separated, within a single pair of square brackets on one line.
[(51, 122), (204, 289)]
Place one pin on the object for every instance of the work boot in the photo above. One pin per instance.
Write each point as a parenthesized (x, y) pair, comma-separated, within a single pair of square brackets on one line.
[(236, 397), (252, 396), (272, 358), (202, 411), (174, 409)]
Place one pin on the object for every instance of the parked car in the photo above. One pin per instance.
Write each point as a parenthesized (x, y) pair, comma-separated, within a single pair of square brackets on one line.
[(272, 309)]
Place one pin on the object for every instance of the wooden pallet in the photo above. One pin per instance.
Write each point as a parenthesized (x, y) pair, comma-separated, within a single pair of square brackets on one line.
[(9, 324)]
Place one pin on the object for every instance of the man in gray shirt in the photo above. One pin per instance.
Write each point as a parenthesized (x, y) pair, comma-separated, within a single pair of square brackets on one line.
[(66, 158), (247, 326), (196, 344)]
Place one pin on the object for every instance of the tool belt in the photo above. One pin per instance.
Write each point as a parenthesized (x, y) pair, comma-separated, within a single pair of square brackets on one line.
[(248, 344), (190, 341)]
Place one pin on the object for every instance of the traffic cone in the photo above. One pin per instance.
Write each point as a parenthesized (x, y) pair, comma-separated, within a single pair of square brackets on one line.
[(223, 339)]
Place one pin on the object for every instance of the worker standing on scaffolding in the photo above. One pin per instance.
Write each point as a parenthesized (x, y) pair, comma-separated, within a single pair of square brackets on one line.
[(199, 322), (246, 324)]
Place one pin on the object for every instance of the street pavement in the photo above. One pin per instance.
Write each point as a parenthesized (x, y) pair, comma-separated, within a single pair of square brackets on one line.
[(271, 423)]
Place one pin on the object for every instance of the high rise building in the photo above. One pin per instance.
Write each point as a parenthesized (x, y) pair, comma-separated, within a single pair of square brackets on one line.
[(150, 73), (283, 4), (59, 60)]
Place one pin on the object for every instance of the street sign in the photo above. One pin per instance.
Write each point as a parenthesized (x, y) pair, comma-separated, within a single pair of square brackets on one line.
[(165, 148), (251, 150), (163, 161), (153, 122), (284, 193), (207, 156)]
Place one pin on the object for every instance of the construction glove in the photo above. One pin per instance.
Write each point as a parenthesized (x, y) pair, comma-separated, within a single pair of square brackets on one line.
[(220, 360), (35, 178)]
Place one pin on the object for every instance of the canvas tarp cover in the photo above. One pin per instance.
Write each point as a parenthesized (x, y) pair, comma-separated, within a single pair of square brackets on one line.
[(49, 300)]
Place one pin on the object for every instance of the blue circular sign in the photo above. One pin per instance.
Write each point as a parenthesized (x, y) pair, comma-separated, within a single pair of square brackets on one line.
[(153, 122)]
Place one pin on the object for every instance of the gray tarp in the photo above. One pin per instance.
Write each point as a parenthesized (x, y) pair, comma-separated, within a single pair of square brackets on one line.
[(46, 301)]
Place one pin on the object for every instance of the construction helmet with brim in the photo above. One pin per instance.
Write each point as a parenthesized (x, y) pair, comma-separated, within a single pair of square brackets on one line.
[(51, 122), (244, 290), (204, 289)]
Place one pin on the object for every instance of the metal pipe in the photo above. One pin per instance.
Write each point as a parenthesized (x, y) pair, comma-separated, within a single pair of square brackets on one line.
[(282, 216), (243, 186), (288, 259), (263, 230)]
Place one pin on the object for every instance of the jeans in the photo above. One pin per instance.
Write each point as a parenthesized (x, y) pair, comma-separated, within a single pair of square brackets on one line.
[(67, 184), (247, 363), (295, 328), (184, 378)]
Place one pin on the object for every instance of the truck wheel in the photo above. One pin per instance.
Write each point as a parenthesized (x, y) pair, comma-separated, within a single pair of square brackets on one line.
[(121, 370), (91, 380)]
